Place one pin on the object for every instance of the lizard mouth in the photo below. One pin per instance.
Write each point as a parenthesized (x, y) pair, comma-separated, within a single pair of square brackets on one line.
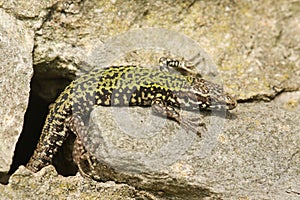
[(228, 103)]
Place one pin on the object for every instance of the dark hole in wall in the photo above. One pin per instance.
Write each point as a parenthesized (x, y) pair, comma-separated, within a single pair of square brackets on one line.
[(34, 119)]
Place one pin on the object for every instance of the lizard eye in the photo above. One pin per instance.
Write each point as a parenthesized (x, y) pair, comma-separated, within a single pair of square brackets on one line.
[(230, 102)]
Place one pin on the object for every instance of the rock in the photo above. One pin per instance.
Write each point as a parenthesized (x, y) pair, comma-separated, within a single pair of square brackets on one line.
[(257, 55), (253, 61), (27, 9), (16, 44), (253, 153), (144, 151), (48, 184)]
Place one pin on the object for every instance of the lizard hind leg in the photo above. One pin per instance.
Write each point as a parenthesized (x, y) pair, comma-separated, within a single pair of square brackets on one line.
[(182, 66), (80, 156), (88, 165), (83, 160)]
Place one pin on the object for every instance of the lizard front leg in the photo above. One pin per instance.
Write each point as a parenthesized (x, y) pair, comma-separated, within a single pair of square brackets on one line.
[(160, 107)]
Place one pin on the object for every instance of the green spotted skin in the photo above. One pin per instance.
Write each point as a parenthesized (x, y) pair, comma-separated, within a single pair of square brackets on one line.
[(123, 86)]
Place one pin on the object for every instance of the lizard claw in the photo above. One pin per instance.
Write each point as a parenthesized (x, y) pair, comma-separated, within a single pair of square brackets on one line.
[(192, 125)]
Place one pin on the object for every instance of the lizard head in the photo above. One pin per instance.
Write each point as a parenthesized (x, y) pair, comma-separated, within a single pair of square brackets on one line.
[(209, 96)]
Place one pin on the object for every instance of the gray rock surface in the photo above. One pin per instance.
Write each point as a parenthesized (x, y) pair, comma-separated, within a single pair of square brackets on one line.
[(48, 184), (16, 44), (30, 9), (258, 158), (255, 45)]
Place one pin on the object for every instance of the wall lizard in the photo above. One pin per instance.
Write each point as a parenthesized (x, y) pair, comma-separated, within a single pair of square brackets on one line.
[(165, 92)]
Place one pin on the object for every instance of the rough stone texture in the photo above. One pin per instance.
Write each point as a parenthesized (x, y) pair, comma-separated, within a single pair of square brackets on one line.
[(16, 44), (255, 45), (146, 151), (30, 9), (48, 184), (258, 158)]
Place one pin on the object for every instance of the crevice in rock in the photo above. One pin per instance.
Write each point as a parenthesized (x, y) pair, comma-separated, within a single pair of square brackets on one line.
[(35, 116), (267, 97), (33, 122)]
